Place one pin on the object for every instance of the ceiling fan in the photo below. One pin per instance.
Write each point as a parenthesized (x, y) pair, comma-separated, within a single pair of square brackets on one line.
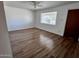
[(36, 3)]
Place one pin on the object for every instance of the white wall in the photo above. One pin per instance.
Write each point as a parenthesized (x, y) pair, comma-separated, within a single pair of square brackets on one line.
[(5, 48), (18, 18), (61, 18)]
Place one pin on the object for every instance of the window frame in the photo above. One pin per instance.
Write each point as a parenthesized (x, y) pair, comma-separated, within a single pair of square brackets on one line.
[(49, 13)]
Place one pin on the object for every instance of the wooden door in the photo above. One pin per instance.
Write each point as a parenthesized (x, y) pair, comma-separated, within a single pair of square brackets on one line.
[(72, 24)]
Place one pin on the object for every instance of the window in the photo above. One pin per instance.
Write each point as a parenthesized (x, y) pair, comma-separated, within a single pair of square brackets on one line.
[(49, 18)]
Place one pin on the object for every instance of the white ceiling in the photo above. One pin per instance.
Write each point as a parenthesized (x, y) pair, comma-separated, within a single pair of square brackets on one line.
[(42, 4)]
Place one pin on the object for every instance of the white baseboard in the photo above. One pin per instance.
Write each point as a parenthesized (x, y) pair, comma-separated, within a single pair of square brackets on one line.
[(5, 56)]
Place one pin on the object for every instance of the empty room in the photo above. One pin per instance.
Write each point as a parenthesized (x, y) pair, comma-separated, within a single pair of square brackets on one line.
[(39, 29)]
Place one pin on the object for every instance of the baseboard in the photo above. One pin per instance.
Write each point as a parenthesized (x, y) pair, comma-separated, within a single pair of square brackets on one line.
[(48, 31), (5, 56), (22, 29)]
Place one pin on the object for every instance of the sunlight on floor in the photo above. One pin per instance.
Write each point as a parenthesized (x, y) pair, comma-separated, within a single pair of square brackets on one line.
[(46, 41)]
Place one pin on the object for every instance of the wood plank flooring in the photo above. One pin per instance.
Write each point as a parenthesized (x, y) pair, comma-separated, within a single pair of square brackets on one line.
[(36, 43)]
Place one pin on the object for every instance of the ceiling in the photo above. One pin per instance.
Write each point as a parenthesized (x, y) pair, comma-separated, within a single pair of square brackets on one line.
[(40, 4)]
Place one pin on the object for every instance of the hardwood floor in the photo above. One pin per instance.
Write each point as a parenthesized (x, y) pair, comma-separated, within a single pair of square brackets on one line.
[(36, 43)]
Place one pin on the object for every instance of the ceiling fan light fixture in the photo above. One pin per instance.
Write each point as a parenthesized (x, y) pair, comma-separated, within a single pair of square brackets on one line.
[(36, 3)]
